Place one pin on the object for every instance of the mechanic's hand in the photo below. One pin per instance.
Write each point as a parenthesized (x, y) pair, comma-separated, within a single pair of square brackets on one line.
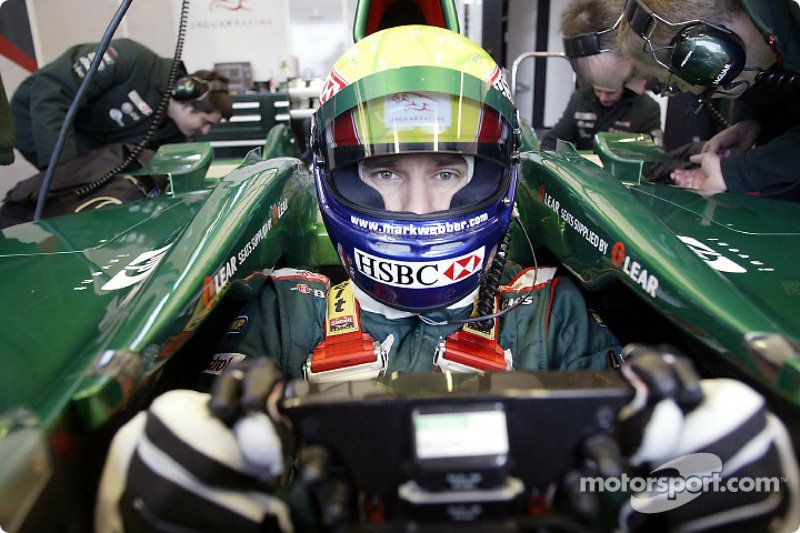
[(702, 443), (178, 466), (734, 140), (706, 178)]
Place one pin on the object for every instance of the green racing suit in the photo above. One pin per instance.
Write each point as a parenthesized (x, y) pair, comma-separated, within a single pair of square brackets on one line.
[(551, 329)]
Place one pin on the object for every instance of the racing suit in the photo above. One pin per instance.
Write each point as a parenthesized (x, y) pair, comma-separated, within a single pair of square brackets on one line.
[(550, 330), (585, 116), (770, 169), (117, 107)]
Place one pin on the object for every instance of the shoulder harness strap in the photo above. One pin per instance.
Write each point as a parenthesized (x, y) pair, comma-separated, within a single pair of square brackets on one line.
[(347, 353), (473, 348)]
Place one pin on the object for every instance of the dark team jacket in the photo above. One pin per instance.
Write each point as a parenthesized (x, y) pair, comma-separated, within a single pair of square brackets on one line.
[(6, 129), (771, 169), (585, 116), (551, 330), (117, 108)]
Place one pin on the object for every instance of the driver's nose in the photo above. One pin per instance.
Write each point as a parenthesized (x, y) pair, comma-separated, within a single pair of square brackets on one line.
[(416, 198)]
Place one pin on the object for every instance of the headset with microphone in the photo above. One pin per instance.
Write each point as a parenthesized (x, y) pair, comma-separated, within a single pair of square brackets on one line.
[(587, 44), (190, 88), (701, 53)]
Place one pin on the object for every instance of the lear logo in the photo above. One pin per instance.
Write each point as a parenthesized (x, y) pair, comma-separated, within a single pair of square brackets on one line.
[(715, 260), (137, 270), (419, 275)]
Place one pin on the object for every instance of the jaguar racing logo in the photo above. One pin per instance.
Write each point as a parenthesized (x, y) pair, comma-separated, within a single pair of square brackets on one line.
[(419, 274)]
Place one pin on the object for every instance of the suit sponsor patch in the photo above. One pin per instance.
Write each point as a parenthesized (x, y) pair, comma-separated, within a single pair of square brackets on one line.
[(221, 362)]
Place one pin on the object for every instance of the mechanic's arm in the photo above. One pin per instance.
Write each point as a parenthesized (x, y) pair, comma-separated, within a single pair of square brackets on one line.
[(53, 90), (766, 170), (734, 140), (652, 123), (769, 170), (706, 177)]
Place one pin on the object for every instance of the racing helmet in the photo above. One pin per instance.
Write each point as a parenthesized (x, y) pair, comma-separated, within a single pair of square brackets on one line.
[(416, 90)]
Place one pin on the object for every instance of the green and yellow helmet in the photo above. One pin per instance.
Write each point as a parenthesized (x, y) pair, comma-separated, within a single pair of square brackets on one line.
[(404, 90)]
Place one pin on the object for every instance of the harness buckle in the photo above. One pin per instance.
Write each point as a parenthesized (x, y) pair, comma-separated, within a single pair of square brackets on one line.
[(357, 357), (466, 352)]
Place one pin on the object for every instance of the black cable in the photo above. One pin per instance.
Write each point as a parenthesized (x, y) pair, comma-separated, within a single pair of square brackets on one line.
[(73, 108), (704, 101), (779, 78), (157, 116), (482, 318), (491, 281)]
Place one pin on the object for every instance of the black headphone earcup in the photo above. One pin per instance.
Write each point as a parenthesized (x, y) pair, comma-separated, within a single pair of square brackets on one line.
[(707, 56), (189, 88)]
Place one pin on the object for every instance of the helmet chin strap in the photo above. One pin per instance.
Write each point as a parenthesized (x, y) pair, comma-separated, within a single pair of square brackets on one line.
[(488, 288)]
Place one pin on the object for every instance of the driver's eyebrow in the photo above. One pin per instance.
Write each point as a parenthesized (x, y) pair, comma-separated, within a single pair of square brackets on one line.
[(380, 162)]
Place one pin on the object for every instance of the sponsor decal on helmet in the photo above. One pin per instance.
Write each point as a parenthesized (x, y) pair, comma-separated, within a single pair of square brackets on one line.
[(406, 110), (419, 274), (333, 84), (499, 83)]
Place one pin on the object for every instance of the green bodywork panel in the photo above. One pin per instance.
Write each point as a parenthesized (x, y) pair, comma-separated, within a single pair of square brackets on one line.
[(724, 268), (96, 302)]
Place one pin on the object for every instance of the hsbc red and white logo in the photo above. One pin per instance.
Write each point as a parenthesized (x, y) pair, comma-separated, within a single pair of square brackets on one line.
[(419, 274)]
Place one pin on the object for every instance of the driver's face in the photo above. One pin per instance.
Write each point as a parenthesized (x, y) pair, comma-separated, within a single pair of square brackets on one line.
[(416, 183)]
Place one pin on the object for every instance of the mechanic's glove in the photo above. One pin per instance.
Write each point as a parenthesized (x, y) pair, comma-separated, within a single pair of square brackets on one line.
[(177, 466), (705, 446)]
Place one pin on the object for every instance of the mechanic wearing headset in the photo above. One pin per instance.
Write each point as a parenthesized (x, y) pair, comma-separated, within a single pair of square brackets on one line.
[(124, 94), (729, 48), (611, 98), (416, 169), (600, 108), (588, 29)]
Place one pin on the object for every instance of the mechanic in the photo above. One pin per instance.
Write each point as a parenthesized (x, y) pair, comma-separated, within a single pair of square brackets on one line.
[(595, 109), (588, 29), (728, 48), (124, 95), (612, 98), (416, 168)]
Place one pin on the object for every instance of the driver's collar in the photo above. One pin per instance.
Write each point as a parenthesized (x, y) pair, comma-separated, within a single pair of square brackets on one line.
[(371, 305)]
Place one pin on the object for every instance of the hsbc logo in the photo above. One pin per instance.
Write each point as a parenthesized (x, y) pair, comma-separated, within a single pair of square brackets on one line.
[(419, 274)]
